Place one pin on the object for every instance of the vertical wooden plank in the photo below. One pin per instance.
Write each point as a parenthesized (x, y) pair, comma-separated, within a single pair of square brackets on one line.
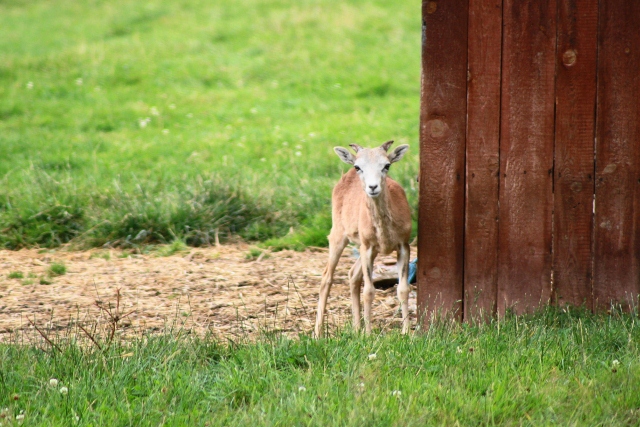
[(482, 159), (617, 217), (574, 150), (442, 148), (526, 154)]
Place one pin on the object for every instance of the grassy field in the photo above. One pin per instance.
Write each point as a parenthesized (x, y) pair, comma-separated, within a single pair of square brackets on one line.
[(131, 123), (555, 368)]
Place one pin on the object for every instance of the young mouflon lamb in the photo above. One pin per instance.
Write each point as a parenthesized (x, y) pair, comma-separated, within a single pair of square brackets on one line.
[(371, 210)]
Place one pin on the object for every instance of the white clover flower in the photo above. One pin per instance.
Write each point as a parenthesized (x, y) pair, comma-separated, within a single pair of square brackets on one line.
[(30, 85), (302, 388), (372, 356), (615, 362), (79, 81), (53, 382), (361, 385), (263, 159), (20, 417), (165, 131), (154, 111), (144, 122), (64, 390), (396, 393), (298, 153)]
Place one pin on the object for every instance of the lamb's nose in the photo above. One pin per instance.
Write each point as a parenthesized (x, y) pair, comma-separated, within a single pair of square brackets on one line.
[(373, 187)]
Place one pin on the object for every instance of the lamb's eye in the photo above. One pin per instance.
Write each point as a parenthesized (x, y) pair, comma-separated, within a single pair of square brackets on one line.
[(357, 168), (386, 167)]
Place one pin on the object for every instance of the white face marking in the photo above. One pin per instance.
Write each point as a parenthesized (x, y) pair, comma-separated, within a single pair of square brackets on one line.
[(372, 165)]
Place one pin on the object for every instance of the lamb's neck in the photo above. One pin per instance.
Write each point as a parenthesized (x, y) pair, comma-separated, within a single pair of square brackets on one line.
[(380, 216), (379, 207)]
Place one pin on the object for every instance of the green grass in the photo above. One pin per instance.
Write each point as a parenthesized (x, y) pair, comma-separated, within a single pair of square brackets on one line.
[(126, 124), (44, 281), (313, 233), (553, 368), (57, 269), (177, 246), (15, 275), (255, 253), (104, 255)]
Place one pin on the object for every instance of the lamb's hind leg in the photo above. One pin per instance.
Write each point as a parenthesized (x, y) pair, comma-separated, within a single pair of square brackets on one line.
[(355, 283), (337, 244), (403, 284)]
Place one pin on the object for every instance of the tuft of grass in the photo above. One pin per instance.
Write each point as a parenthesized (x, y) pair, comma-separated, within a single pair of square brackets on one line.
[(44, 281), (557, 367), (255, 253), (57, 269), (15, 275), (103, 255), (27, 282), (177, 246), (313, 233)]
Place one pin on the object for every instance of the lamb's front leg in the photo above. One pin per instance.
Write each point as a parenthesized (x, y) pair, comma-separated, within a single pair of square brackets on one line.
[(367, 255), (355, 283), (337, 244), (403, 283)]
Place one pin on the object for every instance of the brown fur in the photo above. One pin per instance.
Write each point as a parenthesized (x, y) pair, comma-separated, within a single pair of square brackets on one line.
[(364, 220), (378, 225)]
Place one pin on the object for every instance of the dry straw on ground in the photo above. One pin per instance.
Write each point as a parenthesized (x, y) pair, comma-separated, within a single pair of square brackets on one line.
[(215, 290)]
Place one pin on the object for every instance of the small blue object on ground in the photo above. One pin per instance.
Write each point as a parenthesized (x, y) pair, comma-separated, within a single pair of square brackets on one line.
[(413, 268)]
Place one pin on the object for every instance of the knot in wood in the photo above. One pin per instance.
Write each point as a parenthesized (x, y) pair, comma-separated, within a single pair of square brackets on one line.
[(576, 186), (435, 273), (436, 128), (569, 58)]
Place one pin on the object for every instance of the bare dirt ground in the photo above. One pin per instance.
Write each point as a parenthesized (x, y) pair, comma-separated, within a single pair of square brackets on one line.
[(216, 290)]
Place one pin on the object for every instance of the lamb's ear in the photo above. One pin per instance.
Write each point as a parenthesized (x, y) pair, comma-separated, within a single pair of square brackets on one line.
[(344, 155), (386, 145), (356, 147), (398, 153)]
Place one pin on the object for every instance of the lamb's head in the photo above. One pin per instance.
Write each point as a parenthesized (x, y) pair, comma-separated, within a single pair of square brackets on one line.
[(372, 164)]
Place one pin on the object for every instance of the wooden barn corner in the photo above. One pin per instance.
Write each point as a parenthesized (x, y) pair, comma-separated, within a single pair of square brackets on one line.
[(529, 156)]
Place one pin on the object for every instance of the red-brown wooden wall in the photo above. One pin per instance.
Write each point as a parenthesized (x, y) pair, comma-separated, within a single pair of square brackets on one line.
[(530, 155)]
